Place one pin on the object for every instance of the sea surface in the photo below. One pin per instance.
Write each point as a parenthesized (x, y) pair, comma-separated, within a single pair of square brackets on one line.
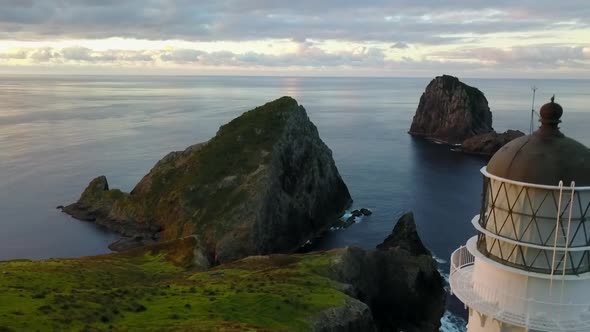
[(59, 132)]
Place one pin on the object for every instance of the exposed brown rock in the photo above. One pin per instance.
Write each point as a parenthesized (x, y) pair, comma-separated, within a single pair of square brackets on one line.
[(451, 111), (489, 143)]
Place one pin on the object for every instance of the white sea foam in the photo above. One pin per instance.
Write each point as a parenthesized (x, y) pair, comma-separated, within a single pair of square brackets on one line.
[(452, 323), (308, 242), (347, 214), (439, 260), (443, 273)]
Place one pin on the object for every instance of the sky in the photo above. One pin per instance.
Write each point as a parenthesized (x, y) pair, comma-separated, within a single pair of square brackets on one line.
[(420, 38)]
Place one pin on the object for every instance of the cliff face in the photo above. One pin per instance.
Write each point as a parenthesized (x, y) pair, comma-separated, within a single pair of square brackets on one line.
[(451, 111), (399, 281), (265, 183)]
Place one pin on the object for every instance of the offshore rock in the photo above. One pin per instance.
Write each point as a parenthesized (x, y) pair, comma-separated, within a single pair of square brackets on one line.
[(399, 281), (349, 222), (488, 144), (265, 183), (451, 111), (366, 212)]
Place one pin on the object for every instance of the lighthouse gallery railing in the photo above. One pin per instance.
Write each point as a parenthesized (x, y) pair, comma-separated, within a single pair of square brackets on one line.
[(526, 312)]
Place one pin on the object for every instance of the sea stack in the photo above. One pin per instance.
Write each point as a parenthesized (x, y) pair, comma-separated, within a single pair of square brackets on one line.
[(451, 111), (265, 183)]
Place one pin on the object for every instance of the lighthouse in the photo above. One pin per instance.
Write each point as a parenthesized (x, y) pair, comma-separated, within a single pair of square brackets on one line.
[(528, 267)]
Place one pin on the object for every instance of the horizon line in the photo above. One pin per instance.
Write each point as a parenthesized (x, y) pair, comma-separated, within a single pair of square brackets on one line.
[(280, 76)]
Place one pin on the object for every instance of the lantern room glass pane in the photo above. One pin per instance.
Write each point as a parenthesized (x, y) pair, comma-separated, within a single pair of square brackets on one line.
[(529, 215)]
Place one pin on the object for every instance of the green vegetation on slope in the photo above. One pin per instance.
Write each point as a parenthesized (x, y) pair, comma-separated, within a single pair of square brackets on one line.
[(188, 189), (154, 289), (239, 148), (236, 146)]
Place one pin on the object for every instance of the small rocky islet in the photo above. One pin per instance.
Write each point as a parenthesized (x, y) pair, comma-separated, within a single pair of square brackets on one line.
[(210, 236), (454, 113)]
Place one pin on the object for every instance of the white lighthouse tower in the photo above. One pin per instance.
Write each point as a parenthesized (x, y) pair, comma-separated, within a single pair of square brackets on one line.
[(528, 267)]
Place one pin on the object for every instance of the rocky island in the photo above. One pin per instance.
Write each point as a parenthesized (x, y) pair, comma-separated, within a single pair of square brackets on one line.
[(457, 114), (156, 288), (266, 183), (451, 111)]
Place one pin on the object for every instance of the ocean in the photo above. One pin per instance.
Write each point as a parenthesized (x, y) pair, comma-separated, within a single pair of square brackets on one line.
[(59, 132)]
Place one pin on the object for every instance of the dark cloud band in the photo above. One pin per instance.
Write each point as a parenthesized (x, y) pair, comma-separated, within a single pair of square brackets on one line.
[(429, 21)]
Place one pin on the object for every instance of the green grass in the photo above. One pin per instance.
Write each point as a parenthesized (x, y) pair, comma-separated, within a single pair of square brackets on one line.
[(155, 290)]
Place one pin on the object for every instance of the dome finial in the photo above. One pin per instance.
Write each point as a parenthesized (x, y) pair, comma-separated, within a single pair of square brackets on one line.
[(550, 117)]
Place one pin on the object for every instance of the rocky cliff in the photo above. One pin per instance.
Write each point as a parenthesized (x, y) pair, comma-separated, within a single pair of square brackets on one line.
[(156, 288), (399, 281), (265, 183), (451, 111)]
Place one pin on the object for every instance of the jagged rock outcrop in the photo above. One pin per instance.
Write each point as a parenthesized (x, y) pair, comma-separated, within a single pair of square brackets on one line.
[(489, 143), (399, 282), (451, 111), (265, 183), (405, 236)]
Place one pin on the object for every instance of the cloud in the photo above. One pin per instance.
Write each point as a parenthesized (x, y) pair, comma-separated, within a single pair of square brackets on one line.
[(76, 55), (181, 55), (535, 56), (401, 45), (15, 54), (376, 35), (308, 57), (429, 21), (41, 54)]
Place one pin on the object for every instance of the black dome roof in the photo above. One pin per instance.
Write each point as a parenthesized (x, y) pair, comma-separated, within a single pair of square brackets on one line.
[(545, 157)]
